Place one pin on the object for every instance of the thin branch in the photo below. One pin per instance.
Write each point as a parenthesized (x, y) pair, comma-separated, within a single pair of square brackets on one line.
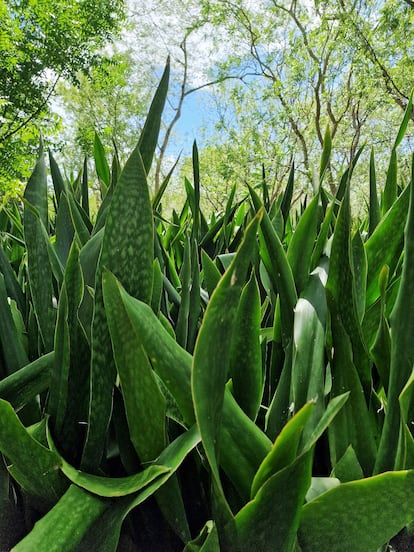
[(31, 117), (398, 96)]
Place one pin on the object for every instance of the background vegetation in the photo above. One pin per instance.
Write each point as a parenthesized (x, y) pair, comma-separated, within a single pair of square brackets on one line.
[(255, 82)]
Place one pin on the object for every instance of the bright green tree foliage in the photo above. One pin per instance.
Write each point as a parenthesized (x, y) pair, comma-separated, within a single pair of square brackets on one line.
[(40, 42)]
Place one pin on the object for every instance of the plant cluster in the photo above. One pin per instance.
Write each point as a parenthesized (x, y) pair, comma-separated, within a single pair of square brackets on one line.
[(232, 384)]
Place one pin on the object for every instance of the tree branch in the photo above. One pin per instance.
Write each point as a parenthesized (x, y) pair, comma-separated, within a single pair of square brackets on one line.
[(31, 117)]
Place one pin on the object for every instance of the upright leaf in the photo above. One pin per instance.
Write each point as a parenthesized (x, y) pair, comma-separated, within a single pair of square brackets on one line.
[(211, 354), (374, 212), (127, 251), (390, 189), (342, 293), (144, 403), (302, 243), (287, 194), (101, 163), (326, 154), (390, 231), (39, 269), (309, 363), (275, 261), (402, 347), (245, 353), (149, 136)]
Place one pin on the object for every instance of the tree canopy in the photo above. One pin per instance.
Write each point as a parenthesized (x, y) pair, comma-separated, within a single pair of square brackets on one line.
[(275, 74), (40, 42)]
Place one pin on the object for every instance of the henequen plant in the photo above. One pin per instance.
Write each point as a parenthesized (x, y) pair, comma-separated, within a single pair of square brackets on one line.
[(238, 383)]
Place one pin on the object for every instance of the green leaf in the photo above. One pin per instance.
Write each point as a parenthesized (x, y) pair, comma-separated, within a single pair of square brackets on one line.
[(211, 354), (104, 535), (302, 243), (390, 231), (270, 521), (246, 354), (109, 486), (58, 182), (381, 348), (374, 211), (308, 365), (14, 354), (39, 269), (127, 251), (359, 261), (242, 444), (81, 227), (101, 164), (144, 403), (404, 123), (170, 361), (277, 265), (84, 187), (405, 455), (359, 515), (206, 541), (69, 388), (33, 466), (36, 189), (14, 290), (22, 386), (149, 136), (323, 235), (65, 524), (326, 154), (342, 290), (402, 348), (63, 229), (60, 375), (157, 288), (284, 450), (287, 194), (181, 328), (352, 426), (195, 297), (348, 468), (279, 408), (152, 477), (210, 272), (390, 189), (196, 212)]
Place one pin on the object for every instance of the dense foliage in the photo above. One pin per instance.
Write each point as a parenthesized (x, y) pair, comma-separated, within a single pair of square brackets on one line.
[(238, 383), (41, 42)]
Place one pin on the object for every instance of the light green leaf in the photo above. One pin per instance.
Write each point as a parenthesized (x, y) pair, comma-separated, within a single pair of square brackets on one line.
[(359, 515)]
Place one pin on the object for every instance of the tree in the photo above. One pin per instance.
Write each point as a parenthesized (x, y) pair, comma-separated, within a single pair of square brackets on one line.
[(176, 29), (340, 64), (40, 43), (110, 100)]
